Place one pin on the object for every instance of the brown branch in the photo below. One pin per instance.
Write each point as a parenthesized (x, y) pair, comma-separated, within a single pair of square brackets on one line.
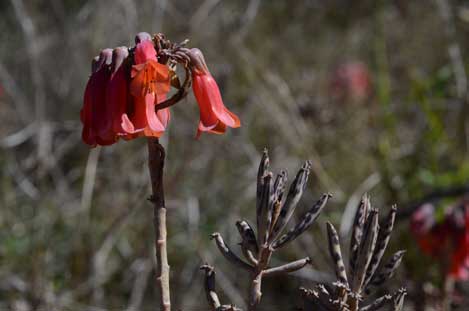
[(255, 292), (156, 156)]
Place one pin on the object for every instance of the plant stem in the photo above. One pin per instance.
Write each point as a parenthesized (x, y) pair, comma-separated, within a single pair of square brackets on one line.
[(156, 156), (255, 292)]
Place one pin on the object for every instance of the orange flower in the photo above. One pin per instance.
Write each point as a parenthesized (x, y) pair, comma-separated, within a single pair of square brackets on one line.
[(214, 116)]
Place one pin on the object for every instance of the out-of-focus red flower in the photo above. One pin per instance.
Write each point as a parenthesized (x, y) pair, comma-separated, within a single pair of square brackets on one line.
[(460, 260), (214, 116), (351, 81), (447, 240)]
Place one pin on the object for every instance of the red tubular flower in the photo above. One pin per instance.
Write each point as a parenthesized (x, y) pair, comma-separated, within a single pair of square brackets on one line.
[(117, 93), (214, 116), (95, 115), (121, 98), (149, 86)]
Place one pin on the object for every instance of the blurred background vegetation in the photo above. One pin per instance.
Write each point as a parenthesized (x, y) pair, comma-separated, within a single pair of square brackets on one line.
[(374, 93)]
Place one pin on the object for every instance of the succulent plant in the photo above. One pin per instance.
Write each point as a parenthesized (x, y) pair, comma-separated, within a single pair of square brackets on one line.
[(274, 208), (368, 243)]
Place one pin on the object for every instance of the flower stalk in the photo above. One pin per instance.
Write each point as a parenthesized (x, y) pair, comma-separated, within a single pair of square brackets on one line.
[(156, 157)]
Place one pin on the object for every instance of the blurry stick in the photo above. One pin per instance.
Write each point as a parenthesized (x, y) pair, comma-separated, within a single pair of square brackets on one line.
[(32, 47), (454, 49), (156, 155), (142, 271), (89, 180), (448, 289)]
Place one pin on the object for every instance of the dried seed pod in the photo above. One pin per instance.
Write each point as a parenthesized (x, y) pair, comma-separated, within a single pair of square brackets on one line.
[(357, 232), (388, 270), (336, 254), (384, 236), (228, 254), (305, 222), (366, 250), (210, 292), (293, 197), (263, 167), (276, 204), (280, 185), (247, 235), (287, 268), (265, 217)]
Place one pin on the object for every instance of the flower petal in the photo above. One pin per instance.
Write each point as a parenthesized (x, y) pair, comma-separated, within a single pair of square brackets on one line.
[(154, 122), (214, 116), (150, 77), (144, 51)]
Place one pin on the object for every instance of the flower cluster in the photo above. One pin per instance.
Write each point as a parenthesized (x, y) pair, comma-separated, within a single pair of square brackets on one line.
[(126, 94), (446, 239)]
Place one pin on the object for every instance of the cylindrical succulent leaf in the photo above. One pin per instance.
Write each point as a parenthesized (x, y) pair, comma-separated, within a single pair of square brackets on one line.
[(293, 197), (387, 271), (384, 236), (265, 216), (263, 167), (279, 190), (357, 232), (210, 292), (287, 268), (228, 254), (366, 250), (305, 222), (336, 254), (248, 236)]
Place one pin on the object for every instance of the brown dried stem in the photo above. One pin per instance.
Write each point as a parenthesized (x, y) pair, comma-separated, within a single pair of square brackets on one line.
[(156, 156), (179, 95)]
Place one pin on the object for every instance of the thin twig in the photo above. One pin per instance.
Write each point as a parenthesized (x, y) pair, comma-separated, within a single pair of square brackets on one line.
[(181, 93)]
